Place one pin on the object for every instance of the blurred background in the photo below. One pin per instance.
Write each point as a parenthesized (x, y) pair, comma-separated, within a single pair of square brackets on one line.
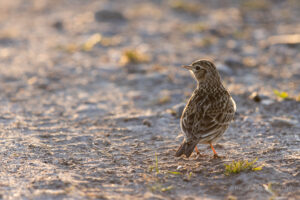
[(257, 39), (92, 90)]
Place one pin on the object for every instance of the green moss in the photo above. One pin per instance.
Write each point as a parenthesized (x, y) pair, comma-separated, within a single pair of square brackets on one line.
[(165, 189), (241, 165), (285, 95), (134, 57), (160, 188), (176, 173), (282, 95)]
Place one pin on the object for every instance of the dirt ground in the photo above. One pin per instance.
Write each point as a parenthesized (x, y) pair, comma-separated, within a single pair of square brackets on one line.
[(91, 93)]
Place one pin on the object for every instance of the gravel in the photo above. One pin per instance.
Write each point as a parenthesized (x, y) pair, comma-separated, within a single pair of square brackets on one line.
[(75, 123)]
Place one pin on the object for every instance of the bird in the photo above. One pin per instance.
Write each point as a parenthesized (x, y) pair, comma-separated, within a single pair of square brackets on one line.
[(209, 110)]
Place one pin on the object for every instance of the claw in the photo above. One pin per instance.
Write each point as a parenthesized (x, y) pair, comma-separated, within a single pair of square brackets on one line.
[(216, 156)]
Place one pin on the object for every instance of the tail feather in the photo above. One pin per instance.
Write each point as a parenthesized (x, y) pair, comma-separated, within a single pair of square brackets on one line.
[(186, 148)]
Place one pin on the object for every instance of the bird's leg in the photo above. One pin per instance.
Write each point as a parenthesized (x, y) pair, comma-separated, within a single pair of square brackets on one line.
[(197, 151), (215, 153)]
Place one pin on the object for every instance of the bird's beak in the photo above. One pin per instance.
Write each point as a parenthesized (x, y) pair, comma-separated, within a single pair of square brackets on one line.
[(187, 67)]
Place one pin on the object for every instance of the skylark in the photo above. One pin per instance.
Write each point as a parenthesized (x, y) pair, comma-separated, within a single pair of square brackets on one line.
[(209, 110)]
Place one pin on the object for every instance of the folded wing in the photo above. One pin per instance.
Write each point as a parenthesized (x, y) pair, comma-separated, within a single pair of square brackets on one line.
[(209, 118)]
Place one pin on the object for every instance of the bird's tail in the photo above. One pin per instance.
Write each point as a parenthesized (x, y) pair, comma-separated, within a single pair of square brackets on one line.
[(186, 148)]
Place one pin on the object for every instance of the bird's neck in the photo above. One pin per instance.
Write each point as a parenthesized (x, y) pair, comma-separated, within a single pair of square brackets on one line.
[(210, 86)]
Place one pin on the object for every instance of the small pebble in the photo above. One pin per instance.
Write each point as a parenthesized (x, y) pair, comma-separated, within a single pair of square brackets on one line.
[(109, 16), (233, 62), (258, 97), (157, 138), (147, 123), (58, 25), (255, 97), (267, 102), (178, 109), (283, 122)]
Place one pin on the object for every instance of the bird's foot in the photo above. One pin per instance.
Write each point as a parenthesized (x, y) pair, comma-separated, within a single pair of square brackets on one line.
[(198, 152), (216, 156)]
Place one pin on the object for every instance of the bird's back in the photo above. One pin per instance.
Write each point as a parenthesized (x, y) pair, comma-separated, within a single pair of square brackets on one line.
[(207, 114)]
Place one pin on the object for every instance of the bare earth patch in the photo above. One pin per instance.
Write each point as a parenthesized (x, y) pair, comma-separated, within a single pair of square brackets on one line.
[(91, 92)]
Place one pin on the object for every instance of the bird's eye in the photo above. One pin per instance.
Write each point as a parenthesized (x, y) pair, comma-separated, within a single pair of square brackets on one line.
[(197, 67)]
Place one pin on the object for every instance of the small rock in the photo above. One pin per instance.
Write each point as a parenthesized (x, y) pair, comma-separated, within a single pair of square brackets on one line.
[(7, 41), (58, 25), (258, 97), (233, 62), (147, 123), (134, 69), (109, 16), (255, 97), (177, 110), (283, 122), (157, 138), (216, 32), (179, 167), (296, 76), (267, 102)]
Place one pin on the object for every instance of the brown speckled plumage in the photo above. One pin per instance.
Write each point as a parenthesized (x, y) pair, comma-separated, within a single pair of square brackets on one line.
[(209, 110)]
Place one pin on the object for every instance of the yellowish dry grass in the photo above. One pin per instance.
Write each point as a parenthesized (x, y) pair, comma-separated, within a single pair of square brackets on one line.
[(241, 165), (134, 57)]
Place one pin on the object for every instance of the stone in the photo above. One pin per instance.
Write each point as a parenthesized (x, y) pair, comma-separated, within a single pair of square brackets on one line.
[(178, 109), (267, 102), (283, 122), (258, 97), (147, 123), (58, 25), (109, 16), (233, 62)]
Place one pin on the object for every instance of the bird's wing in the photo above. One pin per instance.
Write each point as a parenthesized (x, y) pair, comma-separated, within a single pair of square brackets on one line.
[(190, 114), (209, 116), (222, 110)]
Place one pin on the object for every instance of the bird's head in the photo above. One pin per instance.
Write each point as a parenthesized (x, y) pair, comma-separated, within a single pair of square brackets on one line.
[(203, 71)]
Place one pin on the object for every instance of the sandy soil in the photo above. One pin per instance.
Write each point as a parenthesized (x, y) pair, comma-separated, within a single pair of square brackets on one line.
[(77, 122)]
